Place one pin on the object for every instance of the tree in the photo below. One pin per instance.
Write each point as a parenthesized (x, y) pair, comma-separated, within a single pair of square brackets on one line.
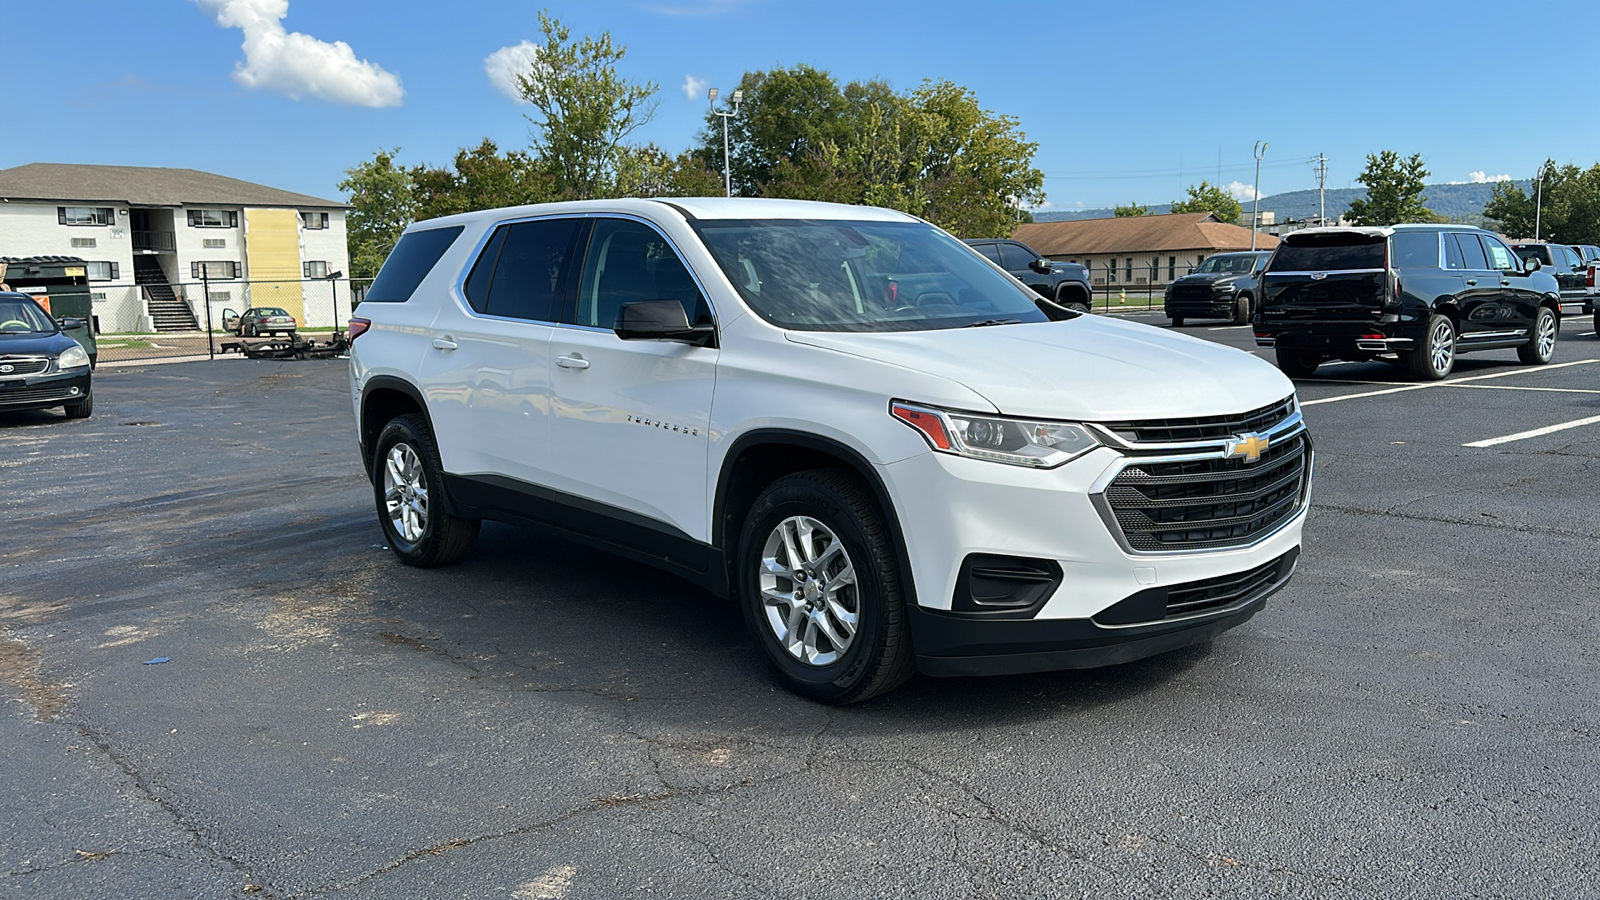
[(786, 115), (1569, 213), (1207, 197), (482, 178), (1394, 191), (1131, 210), (649, 171), (382, 204), (584, 109)]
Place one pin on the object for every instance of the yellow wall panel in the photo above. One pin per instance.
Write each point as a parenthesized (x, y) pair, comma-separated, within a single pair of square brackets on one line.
[(272, 259)]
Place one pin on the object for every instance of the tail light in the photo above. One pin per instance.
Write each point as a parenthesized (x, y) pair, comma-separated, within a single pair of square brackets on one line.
[(358, 327), (1590, 279)]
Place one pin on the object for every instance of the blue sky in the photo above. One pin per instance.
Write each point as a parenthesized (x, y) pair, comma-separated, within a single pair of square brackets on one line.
[(1129, 101)]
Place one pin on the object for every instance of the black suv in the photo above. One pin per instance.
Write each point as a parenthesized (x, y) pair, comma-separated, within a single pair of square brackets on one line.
[(1422, 292), (1066, 284), (1223, 287)]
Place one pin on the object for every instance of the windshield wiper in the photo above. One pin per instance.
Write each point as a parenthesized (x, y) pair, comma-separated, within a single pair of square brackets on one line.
[(987, 322)]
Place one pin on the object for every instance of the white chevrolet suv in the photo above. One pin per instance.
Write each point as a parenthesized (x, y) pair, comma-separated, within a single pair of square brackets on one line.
[(865, 433)]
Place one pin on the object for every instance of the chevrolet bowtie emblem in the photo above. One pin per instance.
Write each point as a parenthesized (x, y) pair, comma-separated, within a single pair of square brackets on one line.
[(1248, 447)]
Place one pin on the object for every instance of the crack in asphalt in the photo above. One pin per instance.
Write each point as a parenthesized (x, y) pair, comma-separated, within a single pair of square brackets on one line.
[(1494, 524)]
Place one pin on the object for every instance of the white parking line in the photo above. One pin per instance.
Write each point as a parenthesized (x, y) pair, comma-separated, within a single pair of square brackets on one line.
[(1537, 432), (1518, 387), (1454, 381)]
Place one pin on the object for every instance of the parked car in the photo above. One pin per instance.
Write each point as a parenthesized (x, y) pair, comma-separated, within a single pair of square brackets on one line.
[(1424, 293), (40, 366), (1065, 284), (1588, 253), (1224, 286), (259, 320), (1565, 264), (877, 443)]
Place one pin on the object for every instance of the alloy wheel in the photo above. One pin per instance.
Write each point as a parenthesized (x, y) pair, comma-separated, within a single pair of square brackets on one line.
[(1547, 336), (1442, 346), (809, 591), (405, 492)]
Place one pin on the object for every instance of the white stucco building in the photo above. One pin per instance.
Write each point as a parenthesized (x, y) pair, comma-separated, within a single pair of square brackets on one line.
[(154, 239)]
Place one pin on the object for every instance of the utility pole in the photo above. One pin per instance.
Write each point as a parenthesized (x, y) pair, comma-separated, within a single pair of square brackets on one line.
[(1255, 190), (1322, 184), (1538, 206), (726, 113)]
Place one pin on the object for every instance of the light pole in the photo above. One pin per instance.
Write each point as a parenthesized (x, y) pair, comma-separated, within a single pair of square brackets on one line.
[(1538, 205), (736, 97), (333, 285), (1255, 190)]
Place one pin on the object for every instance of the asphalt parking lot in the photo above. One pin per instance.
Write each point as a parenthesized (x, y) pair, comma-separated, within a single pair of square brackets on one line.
[(1414, 716)]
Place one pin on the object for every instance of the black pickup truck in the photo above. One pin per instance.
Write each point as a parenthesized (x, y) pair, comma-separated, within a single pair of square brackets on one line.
[(1223, 287), (1064, 284)]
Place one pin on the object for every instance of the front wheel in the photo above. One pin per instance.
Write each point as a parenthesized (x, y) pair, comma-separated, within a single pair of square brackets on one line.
[(1541, 345), (1298, 363), (1436, 358), (1177, 321), (80, 410), (819, 586), (407, 483), (1241, 310)]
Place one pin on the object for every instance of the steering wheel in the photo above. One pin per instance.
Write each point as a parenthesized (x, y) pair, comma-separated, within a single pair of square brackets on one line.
[(9, 322)]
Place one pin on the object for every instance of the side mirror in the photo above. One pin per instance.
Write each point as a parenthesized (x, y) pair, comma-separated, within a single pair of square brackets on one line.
[(1532, 263), (70, 323), (1041, 265), (660, 320)]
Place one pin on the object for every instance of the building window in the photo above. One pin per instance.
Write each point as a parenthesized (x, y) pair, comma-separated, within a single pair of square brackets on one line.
[(221, 296), (213, 218), (1155, 269), (1172, 268), (215, 243), (85, 243), (96, 295), (214, 269), (84, 215), (315, 268), (1128, 268), (1111, 271), (314, 221), (102, 271)]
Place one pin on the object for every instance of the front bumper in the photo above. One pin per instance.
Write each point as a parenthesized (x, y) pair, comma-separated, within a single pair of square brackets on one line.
[(44, 391), (1217, 306), (1106, 606)]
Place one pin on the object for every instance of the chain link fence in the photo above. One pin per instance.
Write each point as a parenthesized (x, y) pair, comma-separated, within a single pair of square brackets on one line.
[(1141, 287), (200, 319)]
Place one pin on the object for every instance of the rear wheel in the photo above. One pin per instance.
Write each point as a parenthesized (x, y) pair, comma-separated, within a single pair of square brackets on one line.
[(1241, 310), (1436, 357), (1298, 363), (819, 586), (407, 484), (1072, 300), (1177, 321), (1541, 345)]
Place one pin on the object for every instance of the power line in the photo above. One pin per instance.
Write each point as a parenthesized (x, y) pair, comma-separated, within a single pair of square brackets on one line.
[(1158, 173)]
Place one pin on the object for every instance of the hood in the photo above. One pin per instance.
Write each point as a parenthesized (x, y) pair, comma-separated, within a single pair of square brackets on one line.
[(1211, 278), (1089, 368), (34, 344)]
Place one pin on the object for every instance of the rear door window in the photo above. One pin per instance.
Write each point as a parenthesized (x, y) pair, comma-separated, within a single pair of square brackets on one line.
[(409, 262), (1329, 252), (527, 275), (1471, 251), (1414, 250), (990, 251)]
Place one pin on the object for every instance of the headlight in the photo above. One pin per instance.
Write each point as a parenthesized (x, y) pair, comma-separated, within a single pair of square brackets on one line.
[(1018, 442), (74, 357)]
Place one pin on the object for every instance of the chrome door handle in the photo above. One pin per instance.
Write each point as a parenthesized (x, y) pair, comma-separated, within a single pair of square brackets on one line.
[(1472, 281), (1505, 284), (572, 362), (444, 344)]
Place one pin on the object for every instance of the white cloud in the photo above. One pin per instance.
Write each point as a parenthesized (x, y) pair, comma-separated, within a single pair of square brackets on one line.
[(298, 65), (1481, 178), (504, 65), (694, 88), (1238, 190)]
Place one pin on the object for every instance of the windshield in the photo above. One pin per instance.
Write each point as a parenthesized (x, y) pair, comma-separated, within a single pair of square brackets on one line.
[(863, 276), (1329, 251), (1239, 264), (270, 311), (23, 317)]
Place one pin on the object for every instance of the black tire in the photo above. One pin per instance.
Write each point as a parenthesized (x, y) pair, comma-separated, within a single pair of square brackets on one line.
[(442, 538), (878, 656), (1541, 345), (247, 331), (83, 409), (1298, 363), (1241, 310), (1436, 358), (1069, 300), (1177, 321)]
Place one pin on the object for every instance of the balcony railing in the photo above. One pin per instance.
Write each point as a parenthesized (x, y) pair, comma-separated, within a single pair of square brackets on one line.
[(153, 240)]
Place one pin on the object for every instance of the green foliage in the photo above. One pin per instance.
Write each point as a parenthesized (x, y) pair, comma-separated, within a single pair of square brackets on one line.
[(1394, 191), (1130, 211), (1569, 214), (382, 204), (1207, 197), (584, 109), (933, 151), (649, 171), (482, 179)]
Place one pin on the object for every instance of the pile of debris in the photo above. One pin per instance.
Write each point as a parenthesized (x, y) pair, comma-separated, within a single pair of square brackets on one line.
[(292, 347)]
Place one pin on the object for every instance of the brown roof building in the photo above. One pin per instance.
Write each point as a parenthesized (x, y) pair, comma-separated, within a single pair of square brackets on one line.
[(1138, 251)]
